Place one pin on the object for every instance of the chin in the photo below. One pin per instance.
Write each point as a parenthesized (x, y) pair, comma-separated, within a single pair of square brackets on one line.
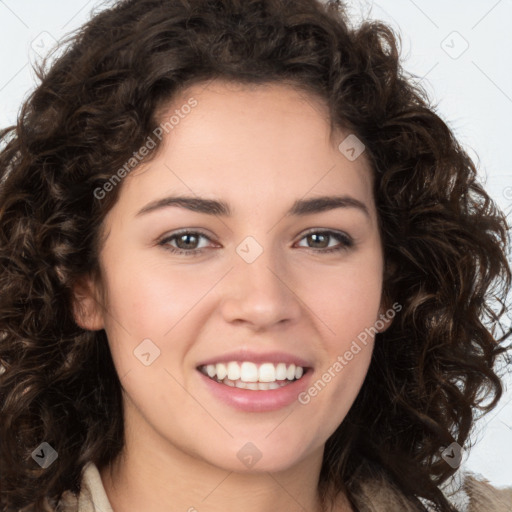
[(257, 457)]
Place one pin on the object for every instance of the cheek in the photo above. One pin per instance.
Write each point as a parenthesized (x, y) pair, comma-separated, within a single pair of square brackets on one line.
[(346, 300), (348, 309), (151, 298), (346, 303), (149, 302)]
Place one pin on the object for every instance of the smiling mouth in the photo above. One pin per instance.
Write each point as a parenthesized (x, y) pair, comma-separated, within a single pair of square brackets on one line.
[(248, 375)]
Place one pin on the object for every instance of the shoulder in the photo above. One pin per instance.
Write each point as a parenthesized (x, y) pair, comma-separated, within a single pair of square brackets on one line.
[(471, 492), (92, 496), (483, 496), (466, 491)]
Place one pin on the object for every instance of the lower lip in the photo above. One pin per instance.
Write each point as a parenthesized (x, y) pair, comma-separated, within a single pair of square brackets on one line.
[(258, 401)]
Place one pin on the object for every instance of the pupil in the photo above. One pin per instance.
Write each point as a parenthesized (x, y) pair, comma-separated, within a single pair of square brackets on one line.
[(183, 237), (316, 236)]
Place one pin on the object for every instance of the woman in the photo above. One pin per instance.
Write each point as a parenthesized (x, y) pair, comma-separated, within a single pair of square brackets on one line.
[(324, 344)]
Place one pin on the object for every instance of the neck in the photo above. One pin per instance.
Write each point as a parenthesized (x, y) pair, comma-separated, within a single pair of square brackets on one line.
[(156, 482), (157, 476)]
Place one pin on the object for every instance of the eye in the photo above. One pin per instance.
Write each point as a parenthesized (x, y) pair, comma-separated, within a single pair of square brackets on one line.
[(320, 238), (186, 242)]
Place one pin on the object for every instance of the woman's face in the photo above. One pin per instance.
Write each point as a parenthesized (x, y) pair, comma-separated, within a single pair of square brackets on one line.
[(253, 285)]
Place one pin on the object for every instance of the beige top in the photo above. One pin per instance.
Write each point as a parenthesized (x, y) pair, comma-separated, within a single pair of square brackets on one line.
[(92, 498), (471, 495)]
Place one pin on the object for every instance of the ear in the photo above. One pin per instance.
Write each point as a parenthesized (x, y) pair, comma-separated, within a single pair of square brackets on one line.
[(387, 313), (87, 305), (385, 319)]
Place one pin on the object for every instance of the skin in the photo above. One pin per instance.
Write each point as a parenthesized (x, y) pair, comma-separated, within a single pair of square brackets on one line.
[(259, 148)]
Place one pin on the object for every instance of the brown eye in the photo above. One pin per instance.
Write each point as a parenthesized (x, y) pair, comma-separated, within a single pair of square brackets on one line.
[(184, 242), (321, 239)]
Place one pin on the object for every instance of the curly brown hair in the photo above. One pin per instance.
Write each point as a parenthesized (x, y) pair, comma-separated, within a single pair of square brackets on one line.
[(444, 239)]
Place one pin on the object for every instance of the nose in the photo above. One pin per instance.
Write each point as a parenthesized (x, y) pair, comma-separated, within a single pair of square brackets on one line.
[(260, 294)]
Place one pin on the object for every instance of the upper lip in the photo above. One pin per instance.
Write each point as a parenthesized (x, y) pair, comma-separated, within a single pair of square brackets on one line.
[(258, 358)]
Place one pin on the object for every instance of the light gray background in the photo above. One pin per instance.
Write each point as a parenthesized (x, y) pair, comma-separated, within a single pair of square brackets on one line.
[(460, 51)]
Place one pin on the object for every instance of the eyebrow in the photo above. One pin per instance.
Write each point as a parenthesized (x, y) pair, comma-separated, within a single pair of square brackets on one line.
[(301, 207)]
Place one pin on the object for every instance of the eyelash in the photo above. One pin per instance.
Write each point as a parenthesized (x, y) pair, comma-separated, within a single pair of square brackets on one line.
[(346, 242)]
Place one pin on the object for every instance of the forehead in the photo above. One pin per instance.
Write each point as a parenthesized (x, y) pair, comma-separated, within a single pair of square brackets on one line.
[(261, 141), (262, 109)]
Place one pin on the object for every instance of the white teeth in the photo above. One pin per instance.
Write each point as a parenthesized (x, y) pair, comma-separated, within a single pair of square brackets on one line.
[(281, 371), (248, 372), (255, 386), (267, 373), (221, 371), (233, 371)]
